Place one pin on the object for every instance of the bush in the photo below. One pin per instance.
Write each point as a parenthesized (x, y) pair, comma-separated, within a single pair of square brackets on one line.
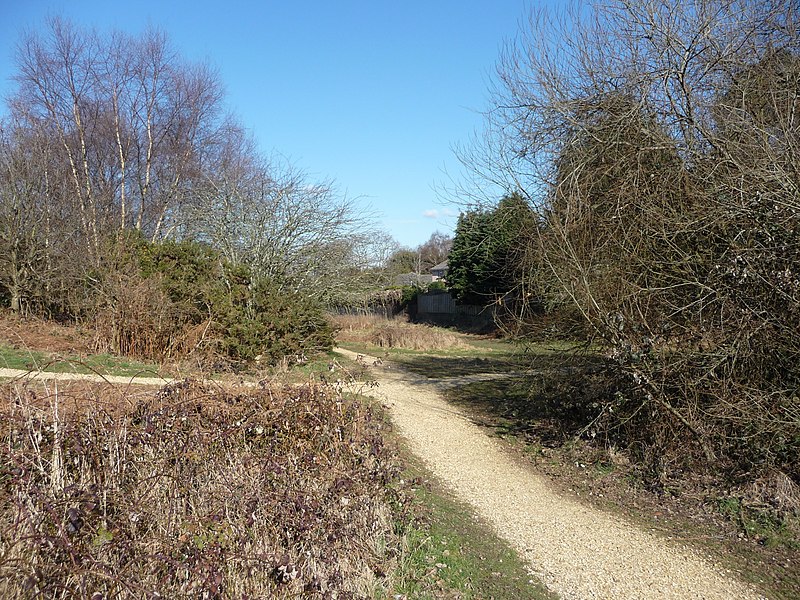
[(173, 299), (276, 324), (667, 216)]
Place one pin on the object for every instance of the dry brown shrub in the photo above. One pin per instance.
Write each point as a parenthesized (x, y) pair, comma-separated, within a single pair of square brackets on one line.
[(135, 318), (776, 492), (193, 491), (37, 333), (416, 337)]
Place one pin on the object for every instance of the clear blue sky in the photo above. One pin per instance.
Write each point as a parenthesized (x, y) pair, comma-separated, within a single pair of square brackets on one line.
[(371, 93)]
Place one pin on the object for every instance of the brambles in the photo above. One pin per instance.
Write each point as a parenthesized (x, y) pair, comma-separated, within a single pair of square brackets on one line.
[(193, 491)]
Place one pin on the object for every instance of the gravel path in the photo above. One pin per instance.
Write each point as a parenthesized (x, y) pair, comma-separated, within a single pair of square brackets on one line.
[(577, 551), (20, 374), (48, 376)]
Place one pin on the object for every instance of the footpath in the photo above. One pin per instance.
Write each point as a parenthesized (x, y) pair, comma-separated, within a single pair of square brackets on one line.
[(576, 551)]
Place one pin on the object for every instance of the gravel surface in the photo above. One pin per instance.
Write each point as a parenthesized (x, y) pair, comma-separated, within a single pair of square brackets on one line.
[(48, 376), (577, 551), (21, 375)]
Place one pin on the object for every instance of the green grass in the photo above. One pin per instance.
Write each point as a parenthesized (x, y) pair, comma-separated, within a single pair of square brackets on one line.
[(481, 356), (768, 529), (475, 347), (103, 364), (449, 554), (324, 366), (494, 356)]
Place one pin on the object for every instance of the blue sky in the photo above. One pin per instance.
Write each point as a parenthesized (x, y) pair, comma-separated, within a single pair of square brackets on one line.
[(373, 94)]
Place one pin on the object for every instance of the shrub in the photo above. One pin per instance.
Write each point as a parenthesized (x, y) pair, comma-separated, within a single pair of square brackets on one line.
[(672, 226), (173, 299), (194, 492), (276, 324)]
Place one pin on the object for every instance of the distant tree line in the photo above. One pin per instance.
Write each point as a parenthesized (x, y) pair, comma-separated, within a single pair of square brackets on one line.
[(422, 259), (656, 145), (113, 146)]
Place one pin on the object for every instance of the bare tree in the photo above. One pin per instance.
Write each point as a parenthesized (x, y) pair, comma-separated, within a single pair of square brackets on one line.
[(35, 228), (285, 228), (130, 120), (435, 250), (658, 142)]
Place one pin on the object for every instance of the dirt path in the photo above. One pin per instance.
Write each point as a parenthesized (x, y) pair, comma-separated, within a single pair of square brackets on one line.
[(21, 374), (577, 551), (49, 376)]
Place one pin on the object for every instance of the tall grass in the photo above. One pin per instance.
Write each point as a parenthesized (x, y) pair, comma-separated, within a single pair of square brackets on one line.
[(416, 337), (395, 333), (193, 492)]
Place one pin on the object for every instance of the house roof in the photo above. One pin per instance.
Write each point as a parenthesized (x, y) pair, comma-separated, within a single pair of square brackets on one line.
[(442, 266), (412, 279)]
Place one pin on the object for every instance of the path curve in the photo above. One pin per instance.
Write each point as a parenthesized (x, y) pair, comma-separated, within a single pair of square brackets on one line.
[(577, 551)]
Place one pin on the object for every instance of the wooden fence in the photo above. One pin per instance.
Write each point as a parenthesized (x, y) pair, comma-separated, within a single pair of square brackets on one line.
[(442, 303)]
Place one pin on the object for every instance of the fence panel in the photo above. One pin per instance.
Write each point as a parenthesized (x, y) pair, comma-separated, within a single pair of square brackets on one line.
[(443, 304)]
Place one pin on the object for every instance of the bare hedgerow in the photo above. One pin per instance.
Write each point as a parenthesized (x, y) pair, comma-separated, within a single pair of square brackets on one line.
[(659, 143), (194, 492)]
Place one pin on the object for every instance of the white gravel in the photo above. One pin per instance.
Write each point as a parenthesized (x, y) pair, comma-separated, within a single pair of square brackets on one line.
[(577, 551)]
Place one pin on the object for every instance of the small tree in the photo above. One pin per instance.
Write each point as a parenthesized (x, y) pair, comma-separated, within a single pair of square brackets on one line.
[(435, 250), (488, 251), (299, 235)]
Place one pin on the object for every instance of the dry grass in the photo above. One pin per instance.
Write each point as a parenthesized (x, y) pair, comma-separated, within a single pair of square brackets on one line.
[(34, 333), (395, 333), (193, 492), (776, 492), (416, 337), (357, 328)]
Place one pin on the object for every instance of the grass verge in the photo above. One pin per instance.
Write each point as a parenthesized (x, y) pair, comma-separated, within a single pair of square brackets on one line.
[(448, 554), (103, 364)]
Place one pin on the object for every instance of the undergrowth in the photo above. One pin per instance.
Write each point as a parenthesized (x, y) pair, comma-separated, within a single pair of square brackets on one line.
[(415, 337), (194, 492)]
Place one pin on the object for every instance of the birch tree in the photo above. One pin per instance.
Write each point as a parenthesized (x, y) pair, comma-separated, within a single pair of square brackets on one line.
[(129, 118)]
